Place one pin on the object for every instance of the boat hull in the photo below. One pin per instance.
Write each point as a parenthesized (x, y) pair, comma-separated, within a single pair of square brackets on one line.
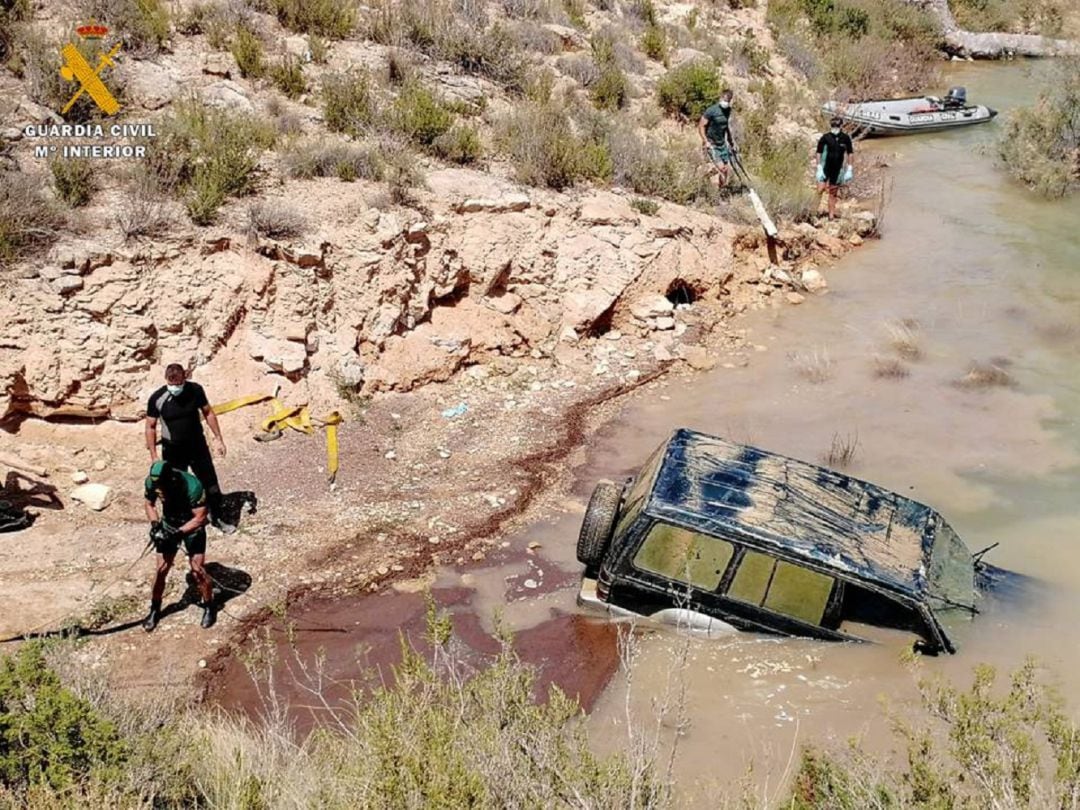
[(907, 116)]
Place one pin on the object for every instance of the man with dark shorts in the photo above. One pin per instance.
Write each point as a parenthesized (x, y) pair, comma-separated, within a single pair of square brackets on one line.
[(835, 160), (182, 520), (714, 128), (176, 408)]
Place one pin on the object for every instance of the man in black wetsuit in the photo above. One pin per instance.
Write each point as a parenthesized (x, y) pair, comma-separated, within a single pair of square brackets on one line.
[(176, 408), (835, 154)]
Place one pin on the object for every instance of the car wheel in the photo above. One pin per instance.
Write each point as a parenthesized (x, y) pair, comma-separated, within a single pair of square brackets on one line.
[(598, 524)]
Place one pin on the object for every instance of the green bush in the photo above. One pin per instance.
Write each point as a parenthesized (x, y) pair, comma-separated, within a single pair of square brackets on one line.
[(288, 77), (335, 19), (420, 116), (668, 169), (143, 25), (48, 735), (349, 102), (247, 49), (73, 180), (461, 144), (687, 90), (645, 206), (610, 88), (204, 155), (319, 49), (655, 44), (1019, 750), (542, 145), (29, 220), (1040, 144)]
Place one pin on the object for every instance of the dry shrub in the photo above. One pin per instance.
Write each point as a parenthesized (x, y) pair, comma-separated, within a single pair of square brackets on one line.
[(349, 102), (842, 451), (983, 376), (276, 219), (29, 221), (904, 338), (889, 368), (247, 50), (145, 212), (813, 365), (333, 159), (335, 19)]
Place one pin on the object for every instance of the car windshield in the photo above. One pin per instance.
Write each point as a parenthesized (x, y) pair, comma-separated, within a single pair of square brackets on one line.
[(950, 580)]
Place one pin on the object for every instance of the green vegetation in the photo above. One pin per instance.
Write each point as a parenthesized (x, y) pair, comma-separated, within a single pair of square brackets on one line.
[(319, 49), (687, 90), (654, 43), (288, 77), (1018, 749), (418, 115), (73, 180), (645, 206), (858, 48), (438, 734), (349, 103), (609, 90), (1046, 17), (1040, 145), (204, 155), (460, 144), (143, 25), (28, 218), (247, 49), (335, 19), (546, 151)]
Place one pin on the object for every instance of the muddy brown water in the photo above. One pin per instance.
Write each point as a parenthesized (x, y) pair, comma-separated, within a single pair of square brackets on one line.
[(990, 275)]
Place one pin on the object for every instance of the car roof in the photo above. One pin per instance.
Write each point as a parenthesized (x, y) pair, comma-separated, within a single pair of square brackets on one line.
[(799, 510)]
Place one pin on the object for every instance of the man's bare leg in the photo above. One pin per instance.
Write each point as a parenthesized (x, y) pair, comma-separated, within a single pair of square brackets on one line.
[(157, 590)]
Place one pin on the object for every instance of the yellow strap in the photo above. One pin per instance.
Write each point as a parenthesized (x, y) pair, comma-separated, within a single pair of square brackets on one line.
[(233, 404), (279, 418)]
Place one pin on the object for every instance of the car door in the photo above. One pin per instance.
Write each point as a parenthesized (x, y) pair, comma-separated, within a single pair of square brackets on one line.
[(782, 595)]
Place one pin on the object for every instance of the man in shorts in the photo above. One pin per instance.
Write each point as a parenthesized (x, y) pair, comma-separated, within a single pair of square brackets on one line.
[(714, 128), (835, 154), (174, 411), (182, 520)]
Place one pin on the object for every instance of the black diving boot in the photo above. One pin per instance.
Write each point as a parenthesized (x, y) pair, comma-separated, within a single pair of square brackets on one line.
[(152, 618), (209, 616)]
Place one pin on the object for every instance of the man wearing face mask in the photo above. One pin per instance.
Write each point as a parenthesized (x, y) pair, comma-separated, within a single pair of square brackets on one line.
[(714, 128), (835, 156), (176, 407)]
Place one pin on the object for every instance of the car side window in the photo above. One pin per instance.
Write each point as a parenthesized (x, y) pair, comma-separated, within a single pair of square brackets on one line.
[(684, 556), (781, 587)]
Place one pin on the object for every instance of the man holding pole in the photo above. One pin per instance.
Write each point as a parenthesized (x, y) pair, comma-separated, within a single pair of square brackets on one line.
[(714, 128)]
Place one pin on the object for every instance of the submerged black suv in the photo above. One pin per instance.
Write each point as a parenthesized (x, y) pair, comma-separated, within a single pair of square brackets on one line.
[(716, 534)]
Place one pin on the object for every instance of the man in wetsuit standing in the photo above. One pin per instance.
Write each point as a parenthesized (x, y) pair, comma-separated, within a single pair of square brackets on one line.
[(175, 408), (835, 155)]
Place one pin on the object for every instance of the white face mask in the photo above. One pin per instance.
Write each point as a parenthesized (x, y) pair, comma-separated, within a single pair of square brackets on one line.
[(725, 105), (175, 389), (835, 131)]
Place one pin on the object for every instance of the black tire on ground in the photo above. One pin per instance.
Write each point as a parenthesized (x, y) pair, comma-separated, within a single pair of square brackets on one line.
[(598, 524)]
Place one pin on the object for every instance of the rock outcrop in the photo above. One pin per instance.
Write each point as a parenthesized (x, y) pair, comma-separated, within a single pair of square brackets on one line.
[(389, 302)]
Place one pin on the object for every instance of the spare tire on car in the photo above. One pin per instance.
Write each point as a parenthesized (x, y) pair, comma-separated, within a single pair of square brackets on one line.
[(598, 524)]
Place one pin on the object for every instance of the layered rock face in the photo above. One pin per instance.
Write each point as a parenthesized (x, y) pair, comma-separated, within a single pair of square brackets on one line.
[(395, 300)]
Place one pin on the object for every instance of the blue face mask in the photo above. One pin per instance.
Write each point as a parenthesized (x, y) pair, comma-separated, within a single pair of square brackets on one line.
[(175, 389)]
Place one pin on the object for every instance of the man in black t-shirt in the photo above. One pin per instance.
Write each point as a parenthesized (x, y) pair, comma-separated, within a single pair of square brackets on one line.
[(175, 409), (835, 155)]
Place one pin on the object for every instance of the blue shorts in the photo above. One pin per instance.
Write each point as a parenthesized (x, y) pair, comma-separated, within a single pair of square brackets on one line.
[(719, 153)]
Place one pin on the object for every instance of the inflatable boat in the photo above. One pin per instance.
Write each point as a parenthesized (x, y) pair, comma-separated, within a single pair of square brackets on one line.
[(903, 116)]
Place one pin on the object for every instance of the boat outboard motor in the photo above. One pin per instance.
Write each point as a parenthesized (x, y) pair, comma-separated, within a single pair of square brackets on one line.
[(956, 98)]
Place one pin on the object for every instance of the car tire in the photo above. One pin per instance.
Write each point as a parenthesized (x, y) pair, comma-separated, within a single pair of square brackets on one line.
[(598, 524)]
